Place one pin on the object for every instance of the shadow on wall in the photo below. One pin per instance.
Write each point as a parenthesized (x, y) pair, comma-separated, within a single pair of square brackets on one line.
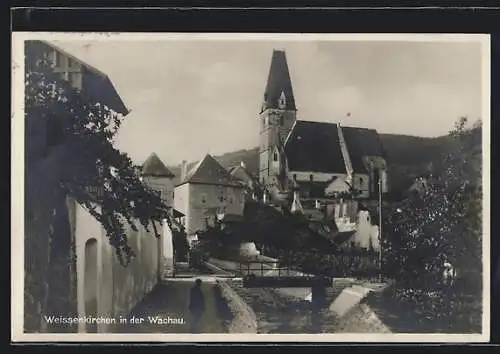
[(90, 281)]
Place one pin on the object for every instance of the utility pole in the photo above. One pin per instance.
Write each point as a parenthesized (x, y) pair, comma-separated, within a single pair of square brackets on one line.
[(380, 227)]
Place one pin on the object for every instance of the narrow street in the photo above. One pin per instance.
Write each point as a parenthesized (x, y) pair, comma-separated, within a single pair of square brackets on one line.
[(169, 301)]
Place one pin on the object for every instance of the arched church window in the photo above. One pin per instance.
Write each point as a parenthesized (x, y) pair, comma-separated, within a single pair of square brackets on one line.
[(275, 156)]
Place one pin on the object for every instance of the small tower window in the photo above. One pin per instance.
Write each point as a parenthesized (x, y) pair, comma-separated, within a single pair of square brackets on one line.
[(275, 156), (282, 101)]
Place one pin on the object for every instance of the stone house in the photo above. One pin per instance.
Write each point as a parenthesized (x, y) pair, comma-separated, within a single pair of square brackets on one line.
[(206, 193)]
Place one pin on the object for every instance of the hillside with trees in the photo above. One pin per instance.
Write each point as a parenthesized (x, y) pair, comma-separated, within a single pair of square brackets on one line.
[(407, 156)]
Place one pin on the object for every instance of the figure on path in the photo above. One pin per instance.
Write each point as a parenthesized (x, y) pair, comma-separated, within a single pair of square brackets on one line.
[(196, 306)]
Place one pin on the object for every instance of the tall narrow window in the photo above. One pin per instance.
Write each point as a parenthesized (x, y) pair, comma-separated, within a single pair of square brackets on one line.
[(57, 58), (75, 78), (282, 101), (72, 63), (275, 156)]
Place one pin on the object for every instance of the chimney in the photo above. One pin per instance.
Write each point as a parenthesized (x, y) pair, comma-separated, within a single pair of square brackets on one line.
[(183, 170)]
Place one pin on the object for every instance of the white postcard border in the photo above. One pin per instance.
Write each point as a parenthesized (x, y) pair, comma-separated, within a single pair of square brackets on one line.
[(17, 188)]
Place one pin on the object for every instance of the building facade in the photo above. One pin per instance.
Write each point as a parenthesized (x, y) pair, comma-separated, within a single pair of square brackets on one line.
[(323, 158), (206, 193)]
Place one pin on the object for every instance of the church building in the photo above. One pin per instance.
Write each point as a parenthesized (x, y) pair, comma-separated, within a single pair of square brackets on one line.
[(321, 160)]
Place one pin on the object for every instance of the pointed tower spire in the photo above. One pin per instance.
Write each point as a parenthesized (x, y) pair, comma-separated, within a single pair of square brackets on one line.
[(279, 92)]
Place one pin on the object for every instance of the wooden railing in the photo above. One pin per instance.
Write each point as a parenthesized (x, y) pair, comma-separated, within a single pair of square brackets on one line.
[(339, 264), (269, 268)]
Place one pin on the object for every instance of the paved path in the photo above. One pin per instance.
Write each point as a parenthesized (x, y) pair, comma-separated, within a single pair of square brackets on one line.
[(169, 301)]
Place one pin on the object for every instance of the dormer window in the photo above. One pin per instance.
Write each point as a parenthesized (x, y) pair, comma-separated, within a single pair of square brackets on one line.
[(282, 101)]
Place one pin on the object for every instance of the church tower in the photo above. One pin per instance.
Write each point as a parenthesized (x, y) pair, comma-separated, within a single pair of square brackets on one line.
[(277, 116)]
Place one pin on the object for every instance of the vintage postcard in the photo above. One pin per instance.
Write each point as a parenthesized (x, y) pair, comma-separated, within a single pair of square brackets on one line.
[(250, 187)]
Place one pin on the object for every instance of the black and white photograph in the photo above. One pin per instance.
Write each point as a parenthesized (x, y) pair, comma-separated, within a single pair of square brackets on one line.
[(237, 187)]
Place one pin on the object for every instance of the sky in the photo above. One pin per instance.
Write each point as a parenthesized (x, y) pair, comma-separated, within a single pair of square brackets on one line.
[(189, 98)]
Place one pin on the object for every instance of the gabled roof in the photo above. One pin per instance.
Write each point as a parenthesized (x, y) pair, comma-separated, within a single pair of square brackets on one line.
[(178, 214), (279, 82), (209, 171), (153, 166), (314, 147), (362, 142), (241, 173), (95, 84)]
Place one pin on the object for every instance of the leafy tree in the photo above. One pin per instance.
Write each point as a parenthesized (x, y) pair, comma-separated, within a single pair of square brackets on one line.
[(87, 129), (441, 223), (69, 152)]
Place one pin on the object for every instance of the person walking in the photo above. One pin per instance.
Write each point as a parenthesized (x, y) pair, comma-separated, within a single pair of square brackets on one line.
[(196, 306)]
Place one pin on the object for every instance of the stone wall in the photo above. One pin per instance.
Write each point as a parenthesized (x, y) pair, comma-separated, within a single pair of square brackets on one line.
[(353, 312), (243, 319), (49, 270), (114, 288)]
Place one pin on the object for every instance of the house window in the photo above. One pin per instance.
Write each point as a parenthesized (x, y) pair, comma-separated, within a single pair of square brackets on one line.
[(360, 180), (203, 198), (57, 58), (75, 78), (72, 63)]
